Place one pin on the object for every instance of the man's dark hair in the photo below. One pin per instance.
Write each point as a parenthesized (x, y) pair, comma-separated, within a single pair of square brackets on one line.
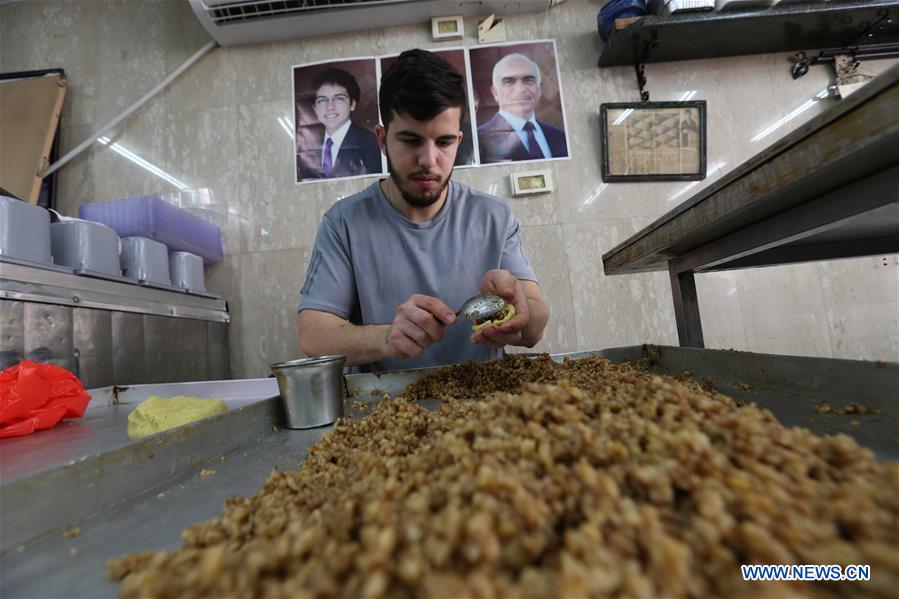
[(337, 77), (421, 85)]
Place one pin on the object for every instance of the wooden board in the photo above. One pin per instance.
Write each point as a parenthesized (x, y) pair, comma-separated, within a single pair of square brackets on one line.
[(29, 115), (625, 22)]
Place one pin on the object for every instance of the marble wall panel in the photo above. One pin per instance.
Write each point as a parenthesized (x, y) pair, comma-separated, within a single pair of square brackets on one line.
[(264, 71), (540, 209), (124, 166), (266, 145), (546, 249), (281, 219), (223, 279), (719, 306), (183, 35), (782, 310), (201, 149), (77, 181), (861, 306), (211, 82), (42, 35), (269, 293), (841, 309), (619, 310)]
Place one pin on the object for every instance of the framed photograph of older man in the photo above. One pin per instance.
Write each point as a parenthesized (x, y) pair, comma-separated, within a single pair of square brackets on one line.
[(520, 112), (458, 59), (336, 111)]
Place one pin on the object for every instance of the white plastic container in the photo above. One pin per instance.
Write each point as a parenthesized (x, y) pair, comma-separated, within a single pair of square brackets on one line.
[(85, 246), (186, 270), (24, 231), (145, 260)]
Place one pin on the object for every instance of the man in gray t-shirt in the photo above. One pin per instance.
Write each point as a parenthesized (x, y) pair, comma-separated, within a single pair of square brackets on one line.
[(393, 263)]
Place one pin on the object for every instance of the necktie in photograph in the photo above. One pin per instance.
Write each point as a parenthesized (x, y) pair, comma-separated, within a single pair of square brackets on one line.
[(327, 161), (534, 150)]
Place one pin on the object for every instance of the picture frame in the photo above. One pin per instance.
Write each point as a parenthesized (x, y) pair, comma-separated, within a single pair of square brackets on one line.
[(542, 101), (653, 141), (329, 95)]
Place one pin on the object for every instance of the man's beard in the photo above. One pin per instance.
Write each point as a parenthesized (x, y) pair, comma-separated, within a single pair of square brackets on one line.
[(422, 201)]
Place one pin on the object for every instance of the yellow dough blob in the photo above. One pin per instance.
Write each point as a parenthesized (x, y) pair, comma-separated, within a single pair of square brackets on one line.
[(498, 319), (157, 414)]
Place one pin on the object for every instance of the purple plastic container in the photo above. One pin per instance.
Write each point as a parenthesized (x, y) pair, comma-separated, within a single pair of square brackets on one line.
[(151, 216)]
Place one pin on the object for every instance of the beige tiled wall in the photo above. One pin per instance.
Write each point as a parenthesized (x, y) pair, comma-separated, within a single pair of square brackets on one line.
[(216, 128)]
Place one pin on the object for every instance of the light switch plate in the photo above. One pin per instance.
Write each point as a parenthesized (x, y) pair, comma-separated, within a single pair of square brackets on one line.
[(447, 28), (531, 182)]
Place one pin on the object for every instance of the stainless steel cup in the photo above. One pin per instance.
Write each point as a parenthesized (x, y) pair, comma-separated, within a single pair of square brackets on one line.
[(312, 390)]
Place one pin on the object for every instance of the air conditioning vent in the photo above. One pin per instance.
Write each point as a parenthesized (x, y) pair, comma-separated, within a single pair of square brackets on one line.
[(229, 11), (234, 22)]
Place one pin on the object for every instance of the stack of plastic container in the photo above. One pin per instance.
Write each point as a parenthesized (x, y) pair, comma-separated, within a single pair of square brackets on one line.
[(88, 248), (153, 218), (151, 228), (24, 233)]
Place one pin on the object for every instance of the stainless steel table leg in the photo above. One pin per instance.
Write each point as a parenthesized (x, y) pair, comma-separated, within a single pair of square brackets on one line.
[(686, 308)]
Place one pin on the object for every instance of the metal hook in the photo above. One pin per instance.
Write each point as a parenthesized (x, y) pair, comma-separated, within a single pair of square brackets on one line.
[(641, 82), (639, 68), (801, 63)]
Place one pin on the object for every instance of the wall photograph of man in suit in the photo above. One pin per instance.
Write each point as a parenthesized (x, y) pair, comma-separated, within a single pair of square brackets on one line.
[(456, 57), (336, 111), (520, 113)]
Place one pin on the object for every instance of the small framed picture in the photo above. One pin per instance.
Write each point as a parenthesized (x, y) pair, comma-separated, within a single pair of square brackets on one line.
[(447, 28), (531, 182), (653, 141)]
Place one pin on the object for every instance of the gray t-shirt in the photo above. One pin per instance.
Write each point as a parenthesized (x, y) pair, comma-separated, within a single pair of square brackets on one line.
[(368, 259)]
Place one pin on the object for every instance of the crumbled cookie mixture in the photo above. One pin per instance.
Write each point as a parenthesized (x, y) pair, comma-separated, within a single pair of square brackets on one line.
[(479, 379), (610, 483)]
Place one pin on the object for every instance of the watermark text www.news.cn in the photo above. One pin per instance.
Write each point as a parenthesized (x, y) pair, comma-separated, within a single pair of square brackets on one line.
[(806, 572)]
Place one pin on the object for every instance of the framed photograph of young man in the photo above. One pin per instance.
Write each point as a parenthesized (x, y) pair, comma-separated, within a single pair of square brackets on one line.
[(336, 111), (465, 155), (519, 105)]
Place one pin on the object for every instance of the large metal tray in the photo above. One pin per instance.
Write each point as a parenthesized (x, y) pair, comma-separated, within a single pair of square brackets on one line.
[(128, 496)]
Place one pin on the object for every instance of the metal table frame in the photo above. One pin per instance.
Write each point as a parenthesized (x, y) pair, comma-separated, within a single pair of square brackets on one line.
[(828, 190)]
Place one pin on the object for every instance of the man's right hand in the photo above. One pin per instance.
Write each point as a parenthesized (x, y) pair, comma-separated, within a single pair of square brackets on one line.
[(418, 323)]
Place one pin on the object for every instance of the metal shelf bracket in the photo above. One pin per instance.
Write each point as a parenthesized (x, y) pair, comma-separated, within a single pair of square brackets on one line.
[(640, 66), (868, 30)]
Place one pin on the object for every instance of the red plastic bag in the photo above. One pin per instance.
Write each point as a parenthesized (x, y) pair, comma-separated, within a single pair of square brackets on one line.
[(37, 396)]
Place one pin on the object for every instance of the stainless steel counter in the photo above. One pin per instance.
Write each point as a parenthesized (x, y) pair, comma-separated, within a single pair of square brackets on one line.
[(53, 566), (103, 428), (110, 332), (127, 496)]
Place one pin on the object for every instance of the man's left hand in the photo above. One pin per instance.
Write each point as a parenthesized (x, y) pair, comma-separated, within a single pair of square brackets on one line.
[(502, 283)]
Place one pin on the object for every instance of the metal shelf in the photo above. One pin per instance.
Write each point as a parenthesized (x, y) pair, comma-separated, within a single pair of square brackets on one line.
[(805, 26), (26, 283)]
